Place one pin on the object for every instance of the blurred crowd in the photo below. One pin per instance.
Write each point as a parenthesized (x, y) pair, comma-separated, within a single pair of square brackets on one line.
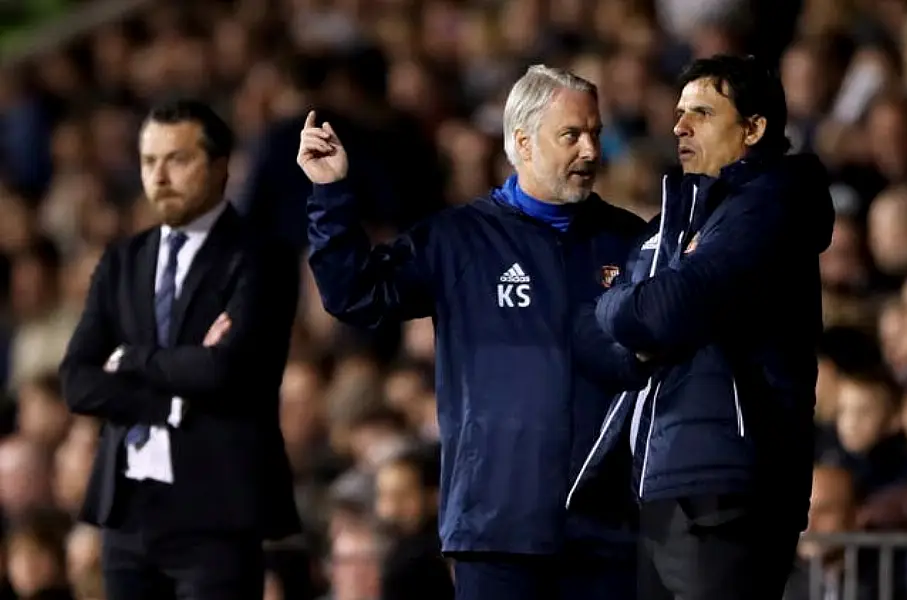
[(415, 88)]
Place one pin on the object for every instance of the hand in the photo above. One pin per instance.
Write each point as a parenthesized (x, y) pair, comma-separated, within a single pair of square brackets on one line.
[(113, 361), (218, 330), (321, 155), (642, 357)]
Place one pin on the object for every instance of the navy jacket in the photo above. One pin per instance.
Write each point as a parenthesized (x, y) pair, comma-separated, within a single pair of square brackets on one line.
[(521, 381), (726, 297)]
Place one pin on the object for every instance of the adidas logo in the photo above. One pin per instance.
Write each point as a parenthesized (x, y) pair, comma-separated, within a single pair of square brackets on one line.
[(515, 274)]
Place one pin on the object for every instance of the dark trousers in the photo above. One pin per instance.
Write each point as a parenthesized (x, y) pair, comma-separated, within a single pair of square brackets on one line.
[(492, 576), (712, 548), (139, 565), (183, 568)]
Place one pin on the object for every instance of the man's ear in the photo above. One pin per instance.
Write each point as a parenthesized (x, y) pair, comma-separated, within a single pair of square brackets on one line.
[(523, 145), (755, 129)]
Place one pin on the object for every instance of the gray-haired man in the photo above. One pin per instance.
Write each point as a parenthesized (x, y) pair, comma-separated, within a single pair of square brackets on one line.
[(520, 380)]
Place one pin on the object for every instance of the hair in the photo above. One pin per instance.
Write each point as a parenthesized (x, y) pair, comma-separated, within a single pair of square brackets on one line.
[(876, 376), (423, 369), (217, 137), (46, 528), (43, 250), (378, 415), (752, 88), (849, 349), (48, 382), (424, 460), (529, 98)]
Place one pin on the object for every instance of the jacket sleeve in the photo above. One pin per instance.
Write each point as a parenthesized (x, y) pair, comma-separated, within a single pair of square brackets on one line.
[(87, 388), (682, 308), (603, 360), (261, 310), (361, 285)]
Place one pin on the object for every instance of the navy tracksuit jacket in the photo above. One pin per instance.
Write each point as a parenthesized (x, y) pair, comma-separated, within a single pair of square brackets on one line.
[(521, 380), (726, 297)]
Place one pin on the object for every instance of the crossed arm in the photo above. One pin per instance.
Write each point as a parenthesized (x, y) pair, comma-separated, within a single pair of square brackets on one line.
[(140, 381), (87, 387), (684, 308)]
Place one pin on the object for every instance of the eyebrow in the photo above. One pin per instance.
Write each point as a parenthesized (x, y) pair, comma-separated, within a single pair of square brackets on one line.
[(702, 109), (571, 128)]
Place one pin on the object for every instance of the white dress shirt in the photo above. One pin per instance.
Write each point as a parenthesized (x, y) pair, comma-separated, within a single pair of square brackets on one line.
[(153, 459)]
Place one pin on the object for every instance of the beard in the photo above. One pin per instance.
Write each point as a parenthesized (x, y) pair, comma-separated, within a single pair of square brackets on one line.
[(569, 188)]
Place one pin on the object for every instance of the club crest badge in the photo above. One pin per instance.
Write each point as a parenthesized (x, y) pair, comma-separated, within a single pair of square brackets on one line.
[(608, 275), (692, 245)]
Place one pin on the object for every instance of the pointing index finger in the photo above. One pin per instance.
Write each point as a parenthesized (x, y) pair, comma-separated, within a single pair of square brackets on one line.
[(310, 120)]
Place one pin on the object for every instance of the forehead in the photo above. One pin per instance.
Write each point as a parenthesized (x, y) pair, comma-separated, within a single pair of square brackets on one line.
[(162, 138), (704, 92), (572, 108), (399, 472), (858, 391)]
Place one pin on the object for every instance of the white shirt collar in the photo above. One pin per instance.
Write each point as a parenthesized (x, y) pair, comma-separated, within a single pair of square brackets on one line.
[(201, 225)]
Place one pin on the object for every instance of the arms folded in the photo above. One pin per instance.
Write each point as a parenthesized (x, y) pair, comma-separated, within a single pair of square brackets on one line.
[(261, 311), (683, 308)]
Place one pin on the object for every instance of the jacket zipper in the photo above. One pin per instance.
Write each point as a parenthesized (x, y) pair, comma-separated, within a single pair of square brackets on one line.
[(601, 437), (741, 426), (609, 417), (645, 459)]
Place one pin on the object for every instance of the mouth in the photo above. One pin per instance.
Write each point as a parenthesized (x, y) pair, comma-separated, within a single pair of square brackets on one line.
[(583, 174), (685, 153)]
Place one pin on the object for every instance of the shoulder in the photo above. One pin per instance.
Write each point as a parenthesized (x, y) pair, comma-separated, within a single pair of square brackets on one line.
[(453, 219), (609, 219), (123, 250)]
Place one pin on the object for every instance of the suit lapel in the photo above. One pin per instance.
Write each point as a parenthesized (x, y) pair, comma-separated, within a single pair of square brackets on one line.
[(217, 242), (143, 286)]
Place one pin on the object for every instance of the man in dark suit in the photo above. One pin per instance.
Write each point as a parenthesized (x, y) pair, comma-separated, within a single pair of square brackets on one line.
[(180, 350)]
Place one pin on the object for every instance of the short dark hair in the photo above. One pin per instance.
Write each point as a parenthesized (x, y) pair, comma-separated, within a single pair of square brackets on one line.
[(753, 89), (379, 415), (425, 462), (46, 528), (218, 139), (876, 376), (43, 250)]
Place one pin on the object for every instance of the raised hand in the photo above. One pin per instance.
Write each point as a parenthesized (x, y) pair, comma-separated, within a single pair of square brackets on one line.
[(321, 155)]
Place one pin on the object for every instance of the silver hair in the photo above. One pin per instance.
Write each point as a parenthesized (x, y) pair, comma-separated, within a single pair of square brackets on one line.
[(529, 98)]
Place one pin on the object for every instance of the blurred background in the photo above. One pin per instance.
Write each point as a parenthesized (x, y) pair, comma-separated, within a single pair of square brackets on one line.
[(415, 88)]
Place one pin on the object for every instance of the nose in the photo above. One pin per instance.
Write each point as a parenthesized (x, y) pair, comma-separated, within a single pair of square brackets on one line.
[(589, 148), (682, 127), (160, 175)]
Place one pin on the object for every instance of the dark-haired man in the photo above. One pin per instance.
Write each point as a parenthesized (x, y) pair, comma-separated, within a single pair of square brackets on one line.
[(180, 350), (726, 303)]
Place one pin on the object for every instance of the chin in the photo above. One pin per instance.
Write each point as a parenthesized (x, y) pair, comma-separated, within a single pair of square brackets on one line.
[(172, 218), (690, 169), (578, 195)]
